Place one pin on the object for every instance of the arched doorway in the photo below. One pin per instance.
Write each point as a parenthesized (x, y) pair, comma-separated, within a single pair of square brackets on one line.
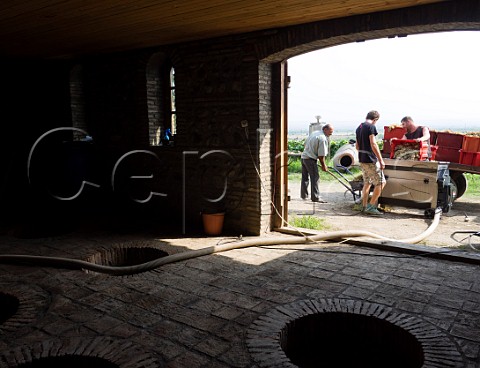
[(293, 41)]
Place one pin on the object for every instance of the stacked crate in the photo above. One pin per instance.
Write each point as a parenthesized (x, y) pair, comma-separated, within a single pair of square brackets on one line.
[(449, 146), (409, 149), (470, 152), (389, 133)]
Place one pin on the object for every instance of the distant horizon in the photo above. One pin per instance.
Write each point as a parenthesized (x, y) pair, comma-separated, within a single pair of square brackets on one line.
[(431, 77), (347, 126)]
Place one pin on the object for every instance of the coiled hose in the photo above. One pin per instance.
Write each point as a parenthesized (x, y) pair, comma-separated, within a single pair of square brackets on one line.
[(71, 263)]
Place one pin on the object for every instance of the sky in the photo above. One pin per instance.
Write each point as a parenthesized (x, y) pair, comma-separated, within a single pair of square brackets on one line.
[(434, 78)]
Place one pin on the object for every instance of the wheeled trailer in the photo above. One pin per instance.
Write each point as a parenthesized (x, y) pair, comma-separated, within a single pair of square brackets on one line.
[(462, 151), (458, 179), (417, 184)]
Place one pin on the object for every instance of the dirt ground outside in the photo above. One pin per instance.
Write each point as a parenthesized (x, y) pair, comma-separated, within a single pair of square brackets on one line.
[(397, 223)]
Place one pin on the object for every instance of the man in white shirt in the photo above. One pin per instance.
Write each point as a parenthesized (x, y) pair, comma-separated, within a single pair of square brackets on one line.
[(317, 146)]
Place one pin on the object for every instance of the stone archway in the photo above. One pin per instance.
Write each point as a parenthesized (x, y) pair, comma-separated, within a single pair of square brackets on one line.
[(275, 49)]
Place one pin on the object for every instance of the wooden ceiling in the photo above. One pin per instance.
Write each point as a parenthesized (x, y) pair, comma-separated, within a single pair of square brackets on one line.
[(69, 28)]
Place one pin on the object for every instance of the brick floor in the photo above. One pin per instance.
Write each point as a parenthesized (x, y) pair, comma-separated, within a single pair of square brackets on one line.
[(196, 313)]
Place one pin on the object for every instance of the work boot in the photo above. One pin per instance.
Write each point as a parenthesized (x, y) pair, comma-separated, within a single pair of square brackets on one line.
[(372, 210)]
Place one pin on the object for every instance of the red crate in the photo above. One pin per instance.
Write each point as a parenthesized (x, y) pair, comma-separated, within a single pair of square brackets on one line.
[(433, 150), (421, 147), (386, 146), (466, 158), (397, 132), (433, 137), (471, 143), (451, 140), (476, 159), (448, 154)]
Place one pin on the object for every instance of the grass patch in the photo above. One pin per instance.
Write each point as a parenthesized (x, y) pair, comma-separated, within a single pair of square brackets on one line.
[(294, 177), (473, 189), (309, 222), (294, 165), (295, 171)]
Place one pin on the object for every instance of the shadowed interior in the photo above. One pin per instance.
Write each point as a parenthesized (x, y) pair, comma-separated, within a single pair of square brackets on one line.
[(8, 306), (72, 361), (349, 340), (127, 256)]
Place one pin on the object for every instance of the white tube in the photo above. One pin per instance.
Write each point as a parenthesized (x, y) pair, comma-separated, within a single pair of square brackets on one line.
[(147, 266)]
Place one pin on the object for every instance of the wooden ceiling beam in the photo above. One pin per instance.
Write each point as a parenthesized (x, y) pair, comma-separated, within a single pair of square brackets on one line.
[(86, 26)]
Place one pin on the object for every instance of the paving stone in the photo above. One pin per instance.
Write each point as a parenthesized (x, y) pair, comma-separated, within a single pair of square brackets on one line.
[(76, 331), (189, 359), (321, 274), (197, 313), (103, 324), (238, 300), (54, 325), (440, 323), (447, 316), (467, 332), (193, 318), (417, 296), (228, 312), (237, 356), (410, 306), (83, 314), (400, 282), (446, 299), (122, 330), (375, 276), (134, 315), (357, 272), (392, 291), (472, 307), (213, 346), (424, 286), (207, 305), (470, 349), (325, 285), (381, 299), (357, 292)]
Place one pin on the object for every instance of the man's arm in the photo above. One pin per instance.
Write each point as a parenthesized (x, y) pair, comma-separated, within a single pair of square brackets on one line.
[(425, 136), (376, 151), (322, 163), (322, 151)]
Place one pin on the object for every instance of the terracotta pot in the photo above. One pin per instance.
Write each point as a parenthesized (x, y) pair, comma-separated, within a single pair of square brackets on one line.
[(213, 223)]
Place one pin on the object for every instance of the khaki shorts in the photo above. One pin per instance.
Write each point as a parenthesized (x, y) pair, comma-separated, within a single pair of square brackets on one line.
[(372, 173)]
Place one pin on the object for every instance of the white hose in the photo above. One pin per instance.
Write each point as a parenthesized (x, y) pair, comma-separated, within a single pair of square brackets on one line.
[(147, 266)]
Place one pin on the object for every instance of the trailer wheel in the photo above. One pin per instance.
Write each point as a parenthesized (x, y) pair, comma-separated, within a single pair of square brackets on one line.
[(459, 183)]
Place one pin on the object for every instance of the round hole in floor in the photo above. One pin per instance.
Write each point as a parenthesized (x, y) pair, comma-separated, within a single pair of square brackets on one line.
[(21, 305), (80, 352), (126, 256), (349, 340), (71, 361), (345, 333), (9, 306)]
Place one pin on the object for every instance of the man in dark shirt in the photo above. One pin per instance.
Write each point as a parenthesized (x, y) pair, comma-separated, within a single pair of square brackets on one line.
[(415, 132), (371, 163), (418, 133)]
